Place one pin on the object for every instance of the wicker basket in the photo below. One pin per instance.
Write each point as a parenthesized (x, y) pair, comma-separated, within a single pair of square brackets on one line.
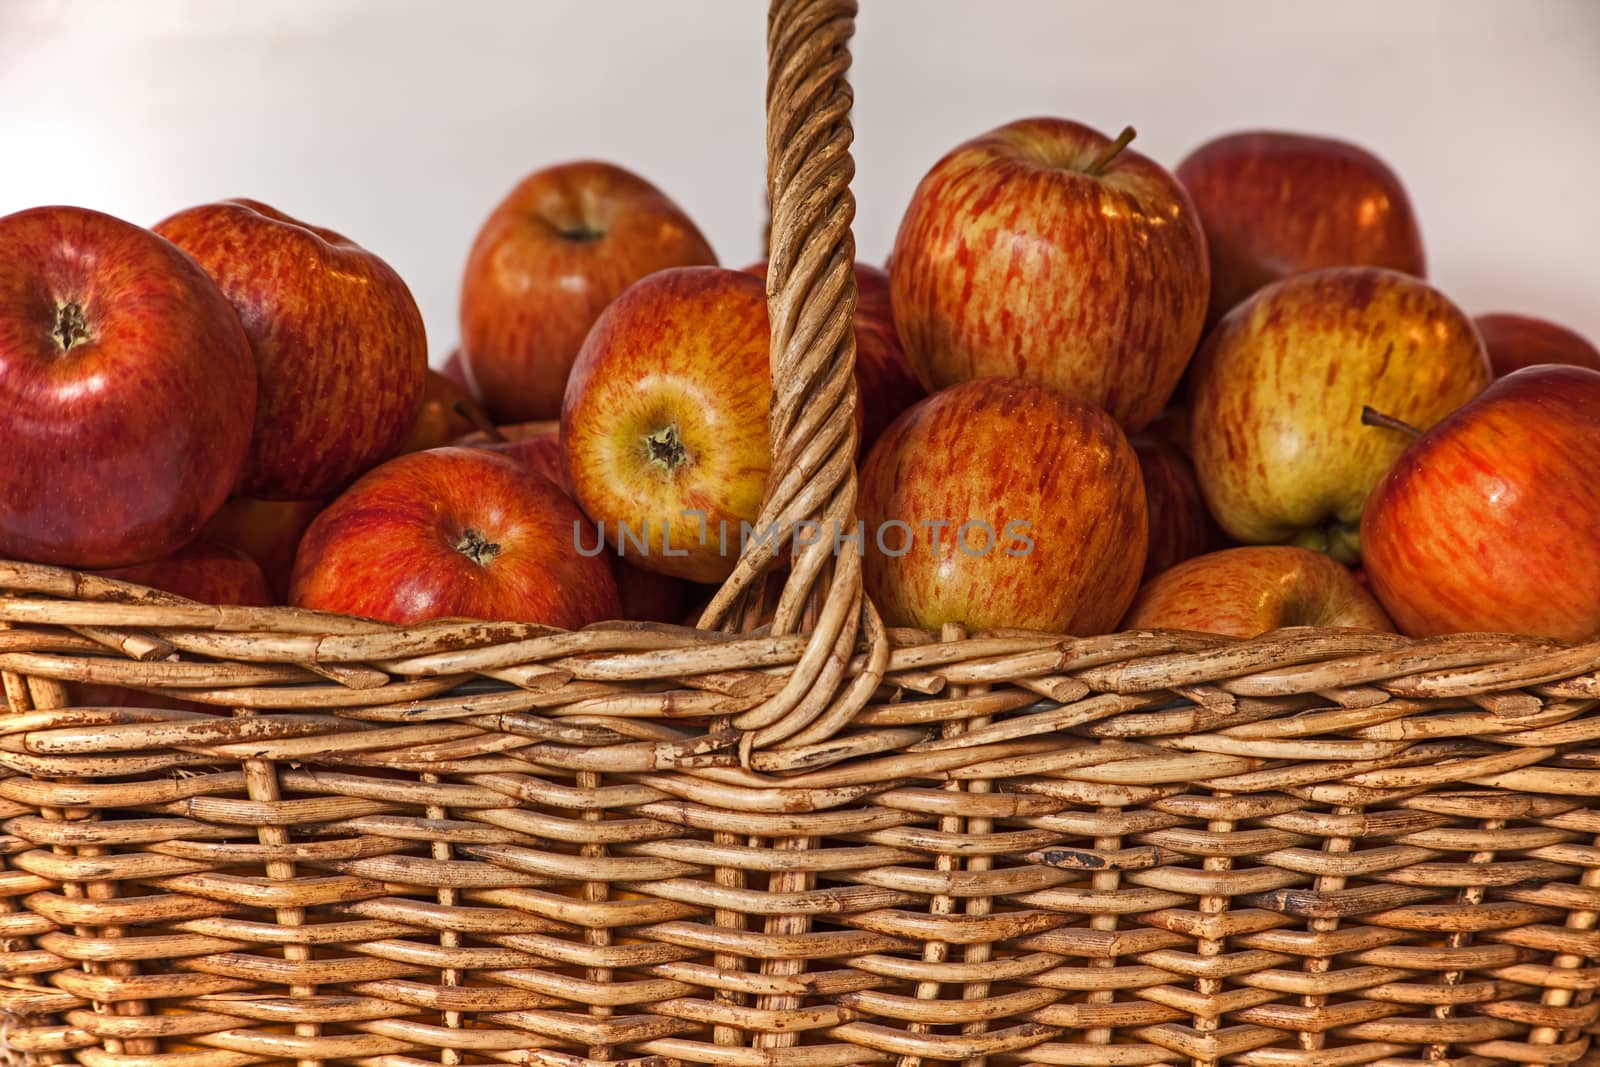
[(820, 845)]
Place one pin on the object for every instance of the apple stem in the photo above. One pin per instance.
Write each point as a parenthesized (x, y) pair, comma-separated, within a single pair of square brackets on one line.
[(1114, 149), (475, 415), (1373, 417)]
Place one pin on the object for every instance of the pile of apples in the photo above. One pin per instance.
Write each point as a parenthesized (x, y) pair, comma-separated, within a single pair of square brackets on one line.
[(1093, 394)]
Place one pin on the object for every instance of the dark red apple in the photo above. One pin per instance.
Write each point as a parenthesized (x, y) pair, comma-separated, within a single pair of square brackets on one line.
[(338, 340), (268, 531), (454, 532), (646, 595), (554, 253), (1180, 525), (1490, 521), (1046, 251), (1254, 590), (1000, 502), (127, 391), (664, 431), (1517, 341), (1275, 204), (201, 570)]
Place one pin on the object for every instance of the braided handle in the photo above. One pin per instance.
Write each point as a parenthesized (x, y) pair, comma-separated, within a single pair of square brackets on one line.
[(811, 301)]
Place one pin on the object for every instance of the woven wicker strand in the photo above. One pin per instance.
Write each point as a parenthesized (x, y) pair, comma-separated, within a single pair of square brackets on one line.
[(303, 838)]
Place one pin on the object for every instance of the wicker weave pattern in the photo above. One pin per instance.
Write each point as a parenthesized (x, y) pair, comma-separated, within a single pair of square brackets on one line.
[(821, 845)]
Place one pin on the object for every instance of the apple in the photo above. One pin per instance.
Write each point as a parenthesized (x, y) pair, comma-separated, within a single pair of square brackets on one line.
[(442, 417), (1254, 590), (1180, 525), (338, 340), (1517, 341), (664, 429), (453, 532), (1276, 428), (1275, 204), (201, 570), (559, 248), (1490, 521), (885, 384), (268, 531), (1003, 503), (1047, 251), (127, 390), (646, 595)]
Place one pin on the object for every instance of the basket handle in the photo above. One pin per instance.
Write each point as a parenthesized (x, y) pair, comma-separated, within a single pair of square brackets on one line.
[(811, 302)]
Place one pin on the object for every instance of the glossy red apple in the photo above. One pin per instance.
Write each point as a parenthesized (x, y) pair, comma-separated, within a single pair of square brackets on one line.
[(441, 418), (1255, 590), (1517, 341), (1180, 525), (1275, 204), (1490, 521), (338, 341), (1041, 504), (554, 253), (453, 532), (1046, 251), (664, 431), (646, 595), (201, 570), (1276, 431), (885, 384), (127, 391), (268, 531)]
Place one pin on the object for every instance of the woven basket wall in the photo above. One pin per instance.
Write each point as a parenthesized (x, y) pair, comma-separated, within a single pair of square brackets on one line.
[(821, 845)]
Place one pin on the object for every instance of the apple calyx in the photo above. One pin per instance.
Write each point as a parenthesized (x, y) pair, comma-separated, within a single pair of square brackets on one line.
[(664, 448), (71, 328), (476, 547), (1372, 417), (1341, 540), (1112, 150)]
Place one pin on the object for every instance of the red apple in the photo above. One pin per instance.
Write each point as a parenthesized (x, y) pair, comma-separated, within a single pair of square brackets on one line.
[(885, 385), (453, 532), (664, 431), (127, 390), (1249, 591), (203, 571), (440, 419), (1275, 204), (1042, 506), (1180, 525), (554, 253), (1276, 430), (1517, 341), (268, 531), (646, 596), (1046, 251), (1490, 521), (338, 342)]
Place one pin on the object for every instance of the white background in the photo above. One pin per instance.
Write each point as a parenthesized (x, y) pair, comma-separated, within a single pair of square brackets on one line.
[(402, 123)]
